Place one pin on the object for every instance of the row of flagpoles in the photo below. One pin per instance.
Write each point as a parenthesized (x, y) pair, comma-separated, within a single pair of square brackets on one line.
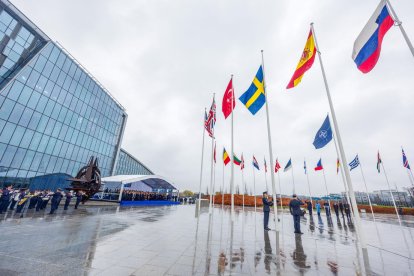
[(365, 54)]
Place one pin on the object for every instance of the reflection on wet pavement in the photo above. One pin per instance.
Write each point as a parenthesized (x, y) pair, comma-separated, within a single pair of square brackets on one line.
[(170, 241)]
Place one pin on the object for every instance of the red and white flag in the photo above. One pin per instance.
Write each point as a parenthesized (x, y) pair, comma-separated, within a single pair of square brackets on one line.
[(277, 166), (228, 103)]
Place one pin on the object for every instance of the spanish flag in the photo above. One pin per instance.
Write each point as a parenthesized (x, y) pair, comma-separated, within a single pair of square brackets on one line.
[(305, 62), (226, 158)]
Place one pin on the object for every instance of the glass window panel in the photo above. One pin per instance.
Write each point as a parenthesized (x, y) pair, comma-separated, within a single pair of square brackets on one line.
[(16, 113), (44, 162), (12, 173), (47, 50), (18, 158), (34, 121), (26, 116), (61, 60), (43, 143), (40, 64), (56, 129), (34, 76), (42, 124), (61, 78), (67, 83), (63, 132), (55, 74), (31, 174), (58, 166), (48, 69), (27, 137), (8, 156), (54, 55), (49, 107), (70, 150), (58, 147), (51, 165), (61, 97), (15, 90), (6, 109), (65, 165), (51, 145), (64, 149), (41, 105), (56, 111), (35, 141), (68, 117), (17, 136), (22, 173), (7, 132), (50, 126), (67, 65), (2, 149), (36, 161), (34, 99), (25, 95), (43, 86), (55, 92), (27, 161)]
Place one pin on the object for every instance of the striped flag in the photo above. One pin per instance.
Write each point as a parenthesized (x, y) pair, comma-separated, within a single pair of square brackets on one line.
[(211, 119), (242, 162), (277, 166), (226, 158), (236, 161), (354, 163), (288, 165), (338, 164), (405, 160), (305, 62), (255, 163)]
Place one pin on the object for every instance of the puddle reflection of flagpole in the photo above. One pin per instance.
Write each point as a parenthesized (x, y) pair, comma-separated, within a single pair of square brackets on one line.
[(281, 207)]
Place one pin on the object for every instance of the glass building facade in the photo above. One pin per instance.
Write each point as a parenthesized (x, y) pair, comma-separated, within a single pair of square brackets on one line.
[(53, 114), (129, 165)]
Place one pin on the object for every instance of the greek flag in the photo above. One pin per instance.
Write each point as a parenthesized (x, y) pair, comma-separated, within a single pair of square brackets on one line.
[(354, 163)]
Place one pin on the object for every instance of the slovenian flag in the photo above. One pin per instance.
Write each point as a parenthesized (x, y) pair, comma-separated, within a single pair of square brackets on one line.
[(367, 46), (319, 165)]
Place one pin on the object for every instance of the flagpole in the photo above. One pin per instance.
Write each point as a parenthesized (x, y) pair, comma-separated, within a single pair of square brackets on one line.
[(267, 188), (243, 189), (293, 180), (232, 154), (269, 136), (254, 190), (202, 159), (326, 188), (369, 201), (280, 194), (307, 178), (214, 180), (343, 158), (211, 169), (342, 172), (399, 24), (222, 190)]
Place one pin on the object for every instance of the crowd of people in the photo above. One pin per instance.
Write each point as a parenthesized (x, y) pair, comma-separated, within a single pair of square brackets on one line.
[(133, 195), (22, 199)]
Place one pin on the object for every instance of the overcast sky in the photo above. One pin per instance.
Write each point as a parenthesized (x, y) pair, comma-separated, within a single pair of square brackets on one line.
[(163, 60)]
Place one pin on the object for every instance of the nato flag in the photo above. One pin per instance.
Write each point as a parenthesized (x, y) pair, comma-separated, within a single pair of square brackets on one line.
[(324, 134)]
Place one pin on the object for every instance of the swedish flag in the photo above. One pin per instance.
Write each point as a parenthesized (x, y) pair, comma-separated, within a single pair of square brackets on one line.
[(254, 98)]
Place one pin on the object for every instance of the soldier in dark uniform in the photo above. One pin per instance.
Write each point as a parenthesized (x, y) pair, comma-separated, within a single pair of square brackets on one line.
[(341, 207), (56, 198), (310, 207), (39, 200), (79, 196), (294, 207), (266, 211), (336, 208), (5, 199), (22, 201), (347, 211), (68, 199)]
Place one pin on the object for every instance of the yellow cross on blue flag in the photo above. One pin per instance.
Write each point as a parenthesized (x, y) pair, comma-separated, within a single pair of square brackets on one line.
[(254, 98)]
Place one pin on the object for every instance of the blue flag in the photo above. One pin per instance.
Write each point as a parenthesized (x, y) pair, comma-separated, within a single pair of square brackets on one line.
[(324, 134), (354, 163), (254, 98), (288, 165)]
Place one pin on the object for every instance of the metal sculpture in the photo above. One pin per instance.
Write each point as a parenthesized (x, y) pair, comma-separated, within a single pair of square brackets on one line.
[(87, 180)]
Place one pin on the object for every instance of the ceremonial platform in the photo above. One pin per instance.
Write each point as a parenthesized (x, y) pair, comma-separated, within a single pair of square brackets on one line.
[(169, 240)]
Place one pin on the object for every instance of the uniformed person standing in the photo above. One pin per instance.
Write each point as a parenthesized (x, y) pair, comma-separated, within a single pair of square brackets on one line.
[(266, 211), (68, 199), (294, 207), (5, 199), (79, 196), (56, 198)]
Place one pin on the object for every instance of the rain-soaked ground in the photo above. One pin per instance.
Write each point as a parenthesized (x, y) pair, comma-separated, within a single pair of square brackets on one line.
[(171, 241)]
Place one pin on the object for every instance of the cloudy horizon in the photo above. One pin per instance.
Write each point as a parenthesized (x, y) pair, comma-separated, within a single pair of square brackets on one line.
[(163, 60)]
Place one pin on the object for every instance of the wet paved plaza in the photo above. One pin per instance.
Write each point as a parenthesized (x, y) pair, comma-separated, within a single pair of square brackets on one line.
[(171, 241)]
